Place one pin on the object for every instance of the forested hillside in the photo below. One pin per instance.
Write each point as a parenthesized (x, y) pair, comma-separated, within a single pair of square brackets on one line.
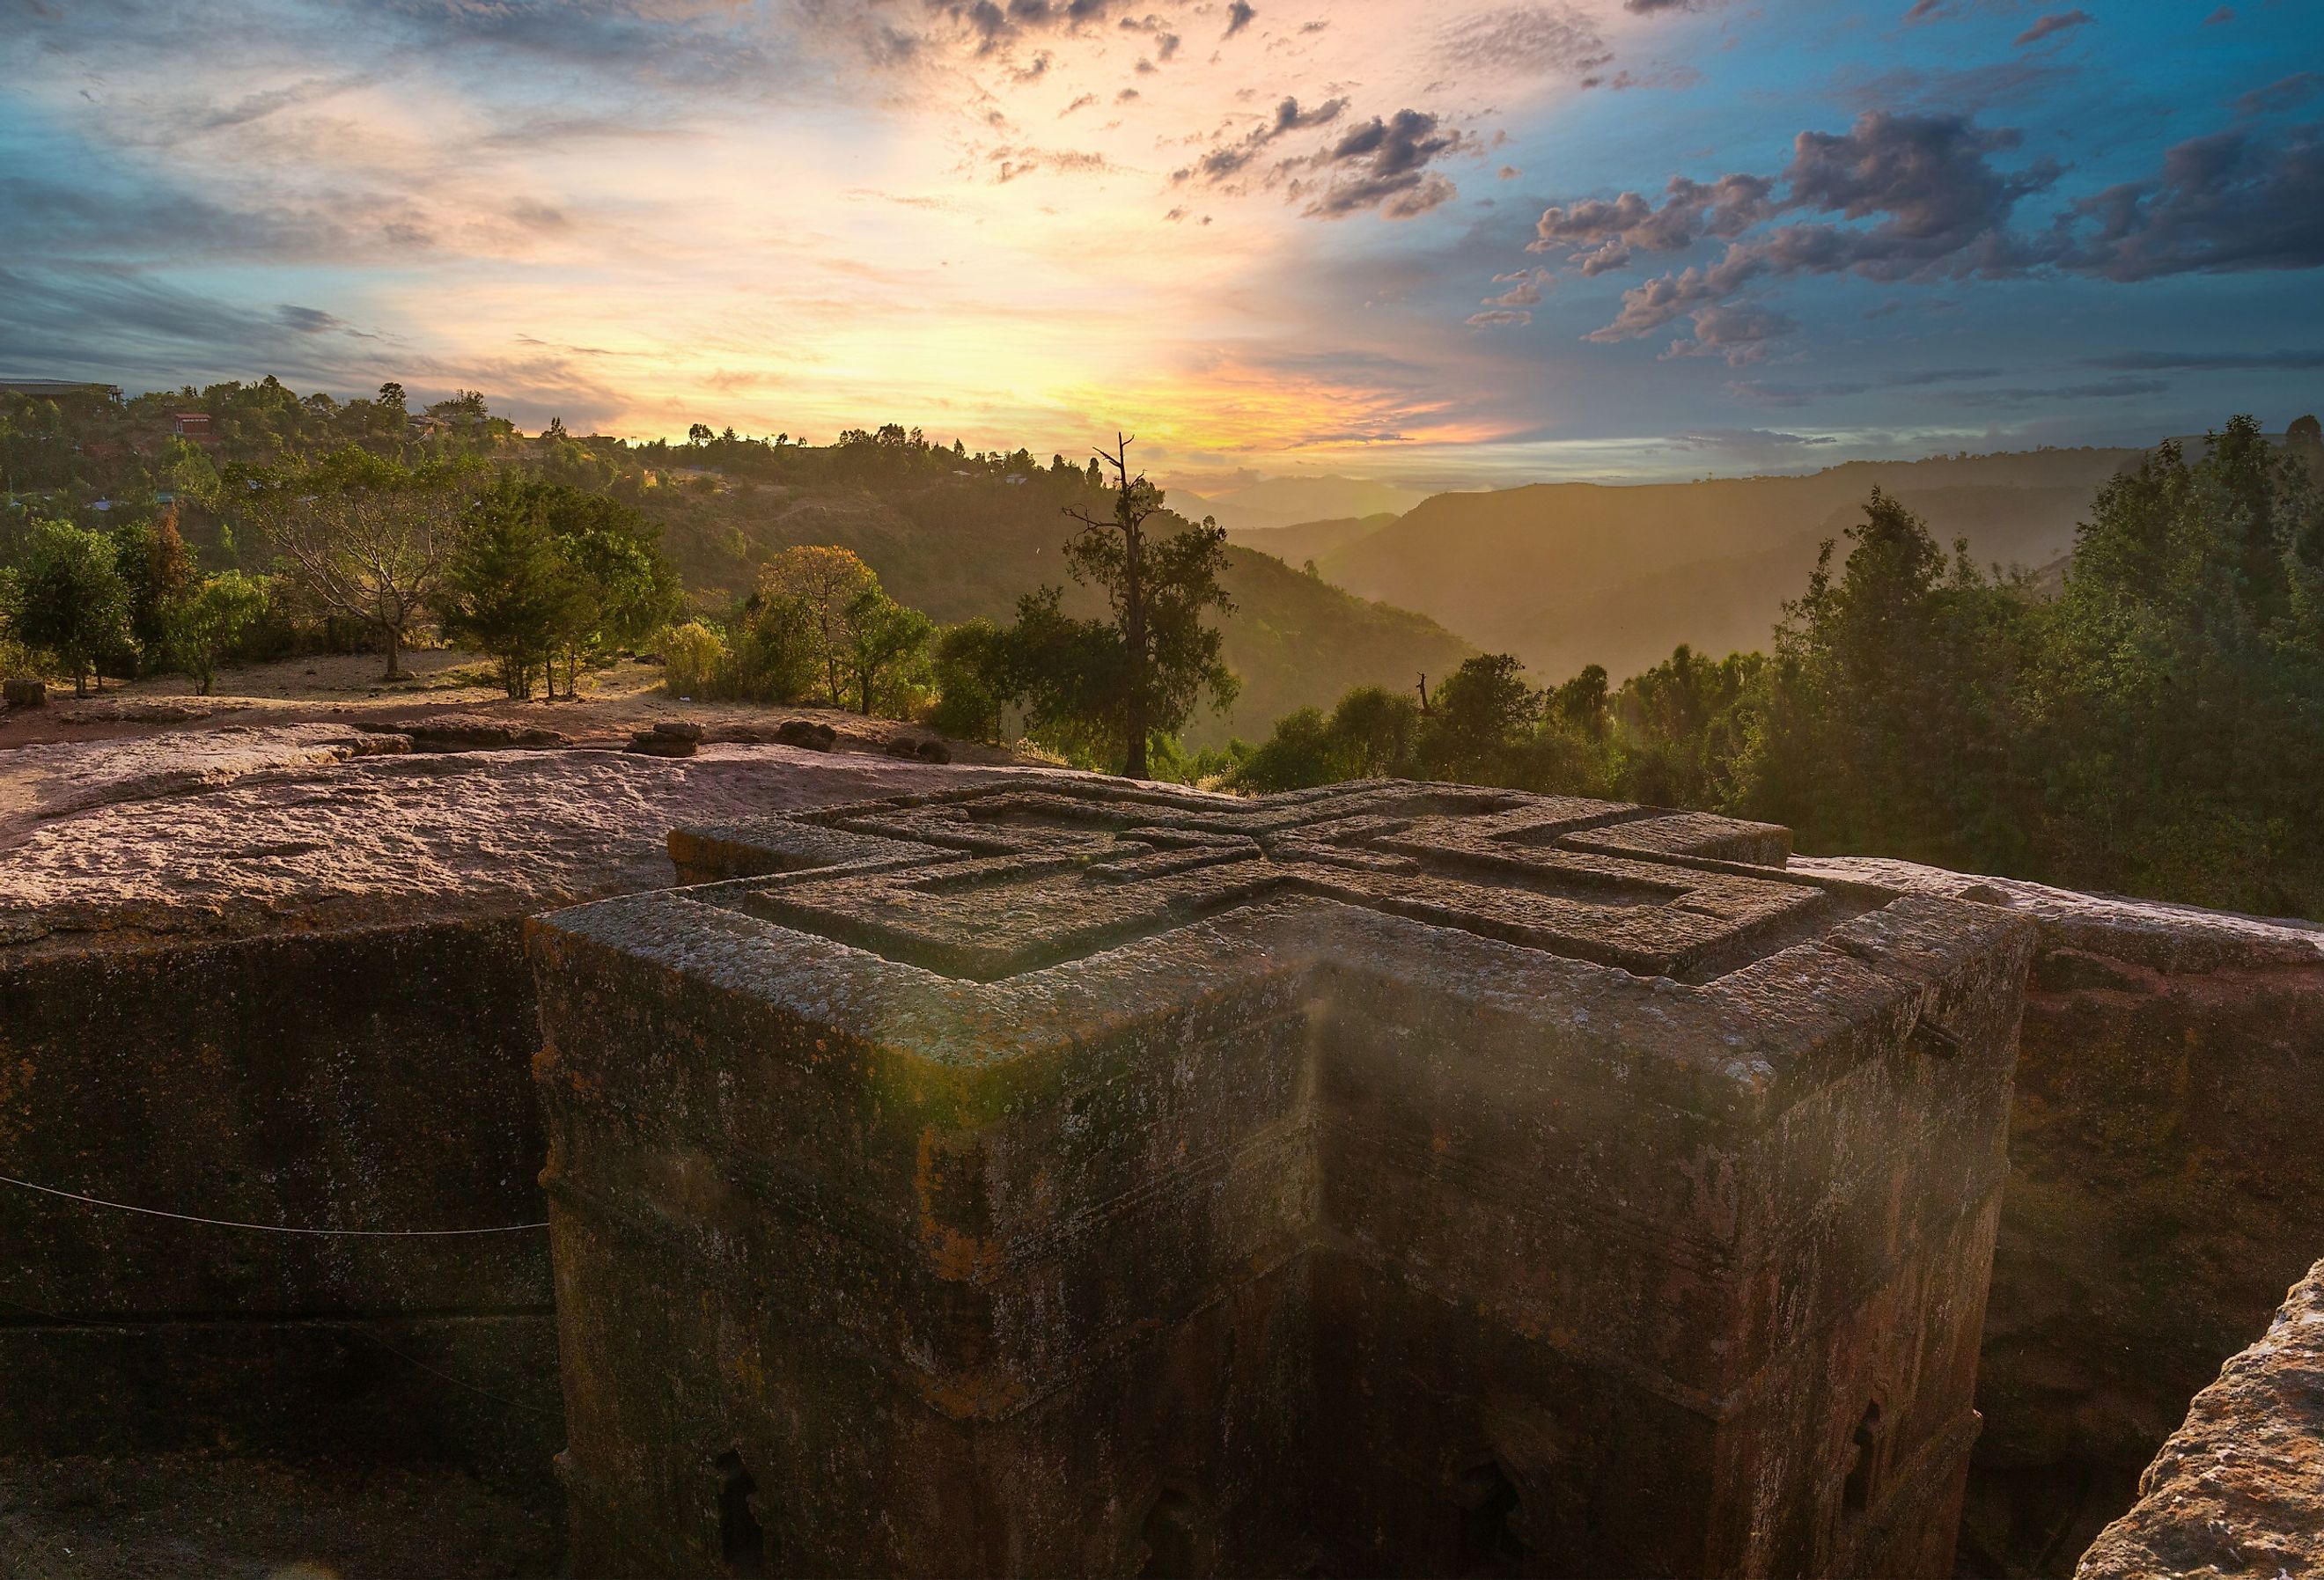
[(1568, 574), (962, 547)]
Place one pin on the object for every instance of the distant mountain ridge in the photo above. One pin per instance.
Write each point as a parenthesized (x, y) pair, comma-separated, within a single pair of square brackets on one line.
[(1297, 544), (1568, 574), (1282, 501)]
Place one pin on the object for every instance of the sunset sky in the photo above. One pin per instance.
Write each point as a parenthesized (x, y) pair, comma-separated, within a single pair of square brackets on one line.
[(1432, 244)]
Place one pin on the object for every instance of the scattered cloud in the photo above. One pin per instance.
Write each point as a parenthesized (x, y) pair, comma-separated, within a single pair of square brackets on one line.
[(2054, 23), (1532, 41), (2284, 94), (1229, 160), (1239, 15), (1383, 165), (1744, 441), (2222, 204), (1922, 199), (307, 320)]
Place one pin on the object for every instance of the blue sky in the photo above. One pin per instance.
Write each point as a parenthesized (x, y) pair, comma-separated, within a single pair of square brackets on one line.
[(1437, 245)]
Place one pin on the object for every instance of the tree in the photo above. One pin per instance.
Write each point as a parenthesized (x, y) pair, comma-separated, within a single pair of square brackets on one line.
[(506, 588), (154, 567), (698, 433), (1482, 710), (974, 670), (374, 552), (617, 586), (1157, 653), (73, 601), (885, 641), (818, 585), (206, 622)]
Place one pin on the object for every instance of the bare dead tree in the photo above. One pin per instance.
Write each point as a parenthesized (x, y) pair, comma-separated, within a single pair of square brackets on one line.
[(376, 556), (1134, 500)]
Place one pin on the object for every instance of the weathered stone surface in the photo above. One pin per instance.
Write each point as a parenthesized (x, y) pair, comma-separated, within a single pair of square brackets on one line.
[(661, 742), (808, 732), (1071, 1179), (2166, 1183), (275, 976), (469, 732), (2239, 1488)]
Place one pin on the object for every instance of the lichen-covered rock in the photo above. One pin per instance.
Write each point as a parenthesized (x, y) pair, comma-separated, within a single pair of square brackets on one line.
[(2239, 1488), (273, 976)]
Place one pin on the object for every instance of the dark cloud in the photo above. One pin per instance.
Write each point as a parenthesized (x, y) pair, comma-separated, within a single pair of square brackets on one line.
[(2223, 203), (2054, 23), (1937, 206), (1535, 39), (1239, 15), (2282, 94), (1742, 333), (2223, 16), (1606, 233), (1383, 165), (307, 320), (139, 217), (1658, 7), (1220, 163), (1922, 199)]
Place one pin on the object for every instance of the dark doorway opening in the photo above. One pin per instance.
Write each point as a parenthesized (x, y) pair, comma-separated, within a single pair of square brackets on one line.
[(1170, 1538), (741, 1540), (1490, 1548), (1856, 1495)]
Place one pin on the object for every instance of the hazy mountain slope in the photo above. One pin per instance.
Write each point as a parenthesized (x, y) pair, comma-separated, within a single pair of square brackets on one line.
[(1282, 501), (1295, 545), (974, 547), (1568, 574)]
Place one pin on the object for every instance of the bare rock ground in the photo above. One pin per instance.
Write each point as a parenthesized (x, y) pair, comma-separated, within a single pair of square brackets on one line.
[(2239, 1488)]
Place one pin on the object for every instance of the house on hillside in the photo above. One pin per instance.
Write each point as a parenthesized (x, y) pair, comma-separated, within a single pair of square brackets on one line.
[(193, 427)]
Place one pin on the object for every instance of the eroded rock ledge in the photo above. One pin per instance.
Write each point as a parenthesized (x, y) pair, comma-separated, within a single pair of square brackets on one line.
[(2239, 1488)]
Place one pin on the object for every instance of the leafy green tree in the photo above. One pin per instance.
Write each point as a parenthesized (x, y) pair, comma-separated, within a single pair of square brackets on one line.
[(154, 567), (359, 538), (73, 602), (1581, 704), (2179, 703), (207, 621), (887, 648), (1891, 718), (973, 667), (1372, 733), (1483, 710), (816, 585), (507, 590)]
